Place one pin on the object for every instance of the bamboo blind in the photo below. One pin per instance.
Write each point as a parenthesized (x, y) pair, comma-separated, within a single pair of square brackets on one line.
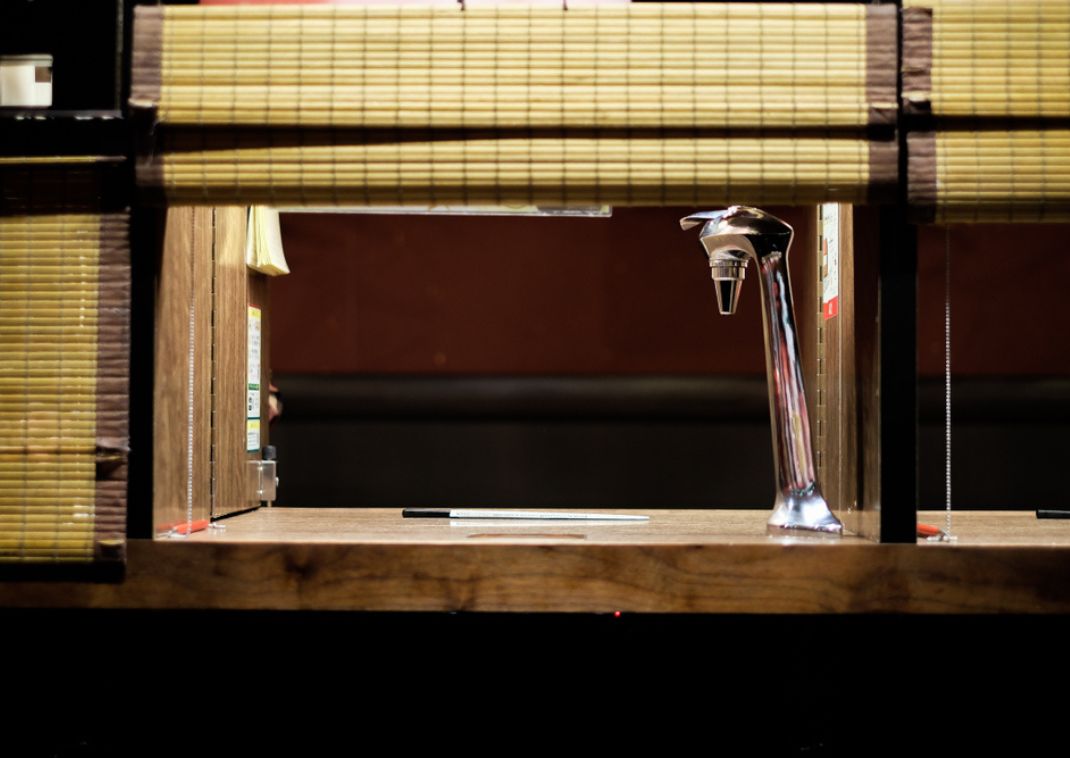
[(991, 175), (995, 77), (504, 169), (679, 64), (628, 104), (64, 295), (987, 58)]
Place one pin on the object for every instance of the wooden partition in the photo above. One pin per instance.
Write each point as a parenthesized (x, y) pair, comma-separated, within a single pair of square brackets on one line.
[(835, 307), (837, 443), (849, 344), (181, 415), (239, 310), (201, 425)]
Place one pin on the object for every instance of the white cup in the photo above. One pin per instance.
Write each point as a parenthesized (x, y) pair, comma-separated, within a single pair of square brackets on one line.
[(26, 81)]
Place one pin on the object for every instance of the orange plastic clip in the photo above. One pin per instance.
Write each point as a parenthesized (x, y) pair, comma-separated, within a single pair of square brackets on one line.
[(188, 527)]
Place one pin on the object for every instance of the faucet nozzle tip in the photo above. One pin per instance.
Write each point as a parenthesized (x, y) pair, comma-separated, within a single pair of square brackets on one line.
[(728, 277)]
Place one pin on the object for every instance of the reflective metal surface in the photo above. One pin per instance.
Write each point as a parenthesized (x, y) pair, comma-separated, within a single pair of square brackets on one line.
[(262, 481), (731, 238)]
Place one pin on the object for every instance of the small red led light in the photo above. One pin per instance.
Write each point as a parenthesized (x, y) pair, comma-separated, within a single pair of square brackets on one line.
[(616, 614)]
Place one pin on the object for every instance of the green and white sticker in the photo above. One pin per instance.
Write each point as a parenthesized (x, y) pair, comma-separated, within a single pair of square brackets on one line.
[(252, 396)]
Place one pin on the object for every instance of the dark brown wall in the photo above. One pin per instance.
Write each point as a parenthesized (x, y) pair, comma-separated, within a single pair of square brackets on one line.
[(1008, 299), (626, 295), (448, 295)]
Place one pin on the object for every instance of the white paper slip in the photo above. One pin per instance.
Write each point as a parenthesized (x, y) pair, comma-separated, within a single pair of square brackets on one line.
[(531, 515)]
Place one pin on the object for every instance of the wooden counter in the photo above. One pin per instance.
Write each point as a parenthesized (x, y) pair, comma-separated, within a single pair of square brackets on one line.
[(678, 562)]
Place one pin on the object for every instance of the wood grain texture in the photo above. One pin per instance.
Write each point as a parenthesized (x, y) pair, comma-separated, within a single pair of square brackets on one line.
[(679, 562), (837, 409), (846, 424), (828, 358), (232, 298), (229, 337), (186, 257), (866, 245)]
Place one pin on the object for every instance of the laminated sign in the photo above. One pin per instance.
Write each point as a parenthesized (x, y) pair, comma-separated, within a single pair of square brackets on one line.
[(252, 402), (830, 260)]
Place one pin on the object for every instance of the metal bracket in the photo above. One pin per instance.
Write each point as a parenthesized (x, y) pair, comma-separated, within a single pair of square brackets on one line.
[(262, 481)]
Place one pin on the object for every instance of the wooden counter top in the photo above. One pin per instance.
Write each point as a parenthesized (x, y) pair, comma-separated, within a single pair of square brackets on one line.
[(683, 561)]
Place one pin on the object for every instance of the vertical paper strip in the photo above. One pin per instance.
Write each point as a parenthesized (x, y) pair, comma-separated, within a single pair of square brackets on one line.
[(830, 260)]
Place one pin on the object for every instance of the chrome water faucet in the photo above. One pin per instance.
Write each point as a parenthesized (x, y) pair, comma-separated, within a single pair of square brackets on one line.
[(731, 238)]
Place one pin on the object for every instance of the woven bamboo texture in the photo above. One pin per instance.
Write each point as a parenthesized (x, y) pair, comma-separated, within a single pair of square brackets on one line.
[(666, 64), (988, 58), (64, 344), (507, 170), (995, 77), (625, 104), (991, 175)]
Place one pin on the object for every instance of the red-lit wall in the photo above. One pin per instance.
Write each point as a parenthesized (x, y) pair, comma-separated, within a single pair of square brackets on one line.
[(422, 294), (1008, 299), (627, 295)]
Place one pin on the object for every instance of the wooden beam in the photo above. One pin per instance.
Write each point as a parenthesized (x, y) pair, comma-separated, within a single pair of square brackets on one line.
[(679, 562)]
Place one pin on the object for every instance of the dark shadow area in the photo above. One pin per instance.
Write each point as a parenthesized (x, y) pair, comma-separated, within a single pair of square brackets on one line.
[(137, 683), (638, 442)]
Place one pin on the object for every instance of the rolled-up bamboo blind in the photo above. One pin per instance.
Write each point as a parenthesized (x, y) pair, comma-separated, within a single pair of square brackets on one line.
[(628, 104), (995, 77), (987, 58), (992, 175), (64, 345), (665, 64), (505, 169)]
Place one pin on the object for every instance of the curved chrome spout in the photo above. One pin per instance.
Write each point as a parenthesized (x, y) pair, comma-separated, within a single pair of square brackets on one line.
[(731, 238)]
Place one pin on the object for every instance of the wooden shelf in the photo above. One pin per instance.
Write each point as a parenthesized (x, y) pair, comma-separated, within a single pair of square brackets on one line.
[(678, 562)]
